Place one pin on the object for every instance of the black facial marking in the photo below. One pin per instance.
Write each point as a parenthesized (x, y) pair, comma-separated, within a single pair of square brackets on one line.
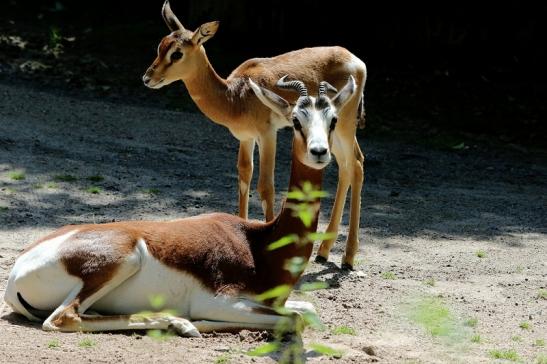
[(321, 103), (296, 124), (304, 102), (333, 122)]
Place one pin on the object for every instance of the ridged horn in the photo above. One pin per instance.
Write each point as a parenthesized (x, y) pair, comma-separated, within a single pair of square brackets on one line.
[(325, 87), (293, 85)]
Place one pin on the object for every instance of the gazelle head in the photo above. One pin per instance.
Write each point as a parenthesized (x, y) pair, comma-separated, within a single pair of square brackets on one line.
[(313, 118), (177, 52)]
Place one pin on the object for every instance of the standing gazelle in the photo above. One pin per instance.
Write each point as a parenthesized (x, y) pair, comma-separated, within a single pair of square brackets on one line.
[(229, 102), (207, 267)]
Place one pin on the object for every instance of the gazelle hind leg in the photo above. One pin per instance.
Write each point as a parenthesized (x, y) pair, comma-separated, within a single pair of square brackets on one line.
[(266, 189), (245, 174)]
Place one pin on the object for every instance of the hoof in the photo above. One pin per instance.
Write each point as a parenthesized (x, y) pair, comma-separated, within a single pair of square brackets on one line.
[(320, 259), (347, 266)]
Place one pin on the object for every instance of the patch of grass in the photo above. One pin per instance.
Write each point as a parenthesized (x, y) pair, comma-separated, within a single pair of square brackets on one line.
[(96, 178), (510, 355), (516, 338), (432, 314), (17, 175), (541, 359), (51, 185), (3, 208), (151, 191), (542, 294), (53, 344), (10, 190), (87, 342), (64, 178), (519, 269), (223, 359), (388, 275), (481, 254), (344, 330), (94, 190), (524, 325), (472, 322), (476, 339), (539, 343), (430, 282), (37, 186)]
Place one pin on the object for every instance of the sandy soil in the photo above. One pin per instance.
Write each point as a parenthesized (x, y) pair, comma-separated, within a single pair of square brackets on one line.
[(426, 214)]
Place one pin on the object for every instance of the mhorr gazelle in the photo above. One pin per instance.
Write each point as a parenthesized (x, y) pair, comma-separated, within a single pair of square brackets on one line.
[(230, 102), (208, 268)]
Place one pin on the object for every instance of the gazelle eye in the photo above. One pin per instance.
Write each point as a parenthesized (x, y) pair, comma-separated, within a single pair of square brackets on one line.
[(333, 122), (296, 124), (176, 56)]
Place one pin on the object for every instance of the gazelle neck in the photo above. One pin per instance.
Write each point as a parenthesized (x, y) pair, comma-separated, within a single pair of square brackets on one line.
[(270, 265), (209, 91)]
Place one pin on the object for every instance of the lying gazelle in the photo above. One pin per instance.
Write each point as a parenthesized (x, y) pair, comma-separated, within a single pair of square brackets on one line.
[(208, 268), (230, 103)]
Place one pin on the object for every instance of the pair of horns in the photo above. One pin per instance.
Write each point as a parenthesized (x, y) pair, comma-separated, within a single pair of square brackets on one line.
[(298, 86)]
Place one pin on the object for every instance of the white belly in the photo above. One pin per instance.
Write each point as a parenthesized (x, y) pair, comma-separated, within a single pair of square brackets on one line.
[(176, 290)]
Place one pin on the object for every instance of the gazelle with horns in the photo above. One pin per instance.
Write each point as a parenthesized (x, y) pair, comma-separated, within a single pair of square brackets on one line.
[(208, 268), (230, 102)]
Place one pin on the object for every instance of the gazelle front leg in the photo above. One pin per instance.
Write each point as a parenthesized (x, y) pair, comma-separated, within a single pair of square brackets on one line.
[(245, 169), (344, 180), (352, 243), (266, 189)]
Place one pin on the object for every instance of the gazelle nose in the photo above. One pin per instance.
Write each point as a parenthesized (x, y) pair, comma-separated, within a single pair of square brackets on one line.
[(146, 79), (318, 151)]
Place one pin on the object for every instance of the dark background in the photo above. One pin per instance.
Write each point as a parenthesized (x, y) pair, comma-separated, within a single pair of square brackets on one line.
[(445, 72)]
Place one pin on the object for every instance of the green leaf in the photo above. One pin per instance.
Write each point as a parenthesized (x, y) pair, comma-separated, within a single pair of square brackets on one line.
[(286, 240), (295, 265), (313, 286), (321, 236), (279, 291), (306, 216), (459, 146), (318, 194), (313, 320), (296, 195), (263, 349), (326, 350), (157, 301)]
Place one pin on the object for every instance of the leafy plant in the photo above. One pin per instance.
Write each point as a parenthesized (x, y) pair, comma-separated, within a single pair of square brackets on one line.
[(524, 325), (87, 342), (542, 294), (96, 178), (388, 275), (481, 254), (344, 330), (476, 339), (430, 282), (17, 175), (539, 343), (472, 322), (510, 355), (53, 344), (64, 178), (291, 323), (541, 359), (94, 190)]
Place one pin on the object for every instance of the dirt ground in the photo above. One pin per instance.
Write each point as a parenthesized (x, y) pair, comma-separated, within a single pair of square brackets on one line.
[(453, 240)]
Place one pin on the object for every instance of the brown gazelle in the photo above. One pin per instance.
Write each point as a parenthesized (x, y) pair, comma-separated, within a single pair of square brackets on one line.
[(207, 268), (229, 102)]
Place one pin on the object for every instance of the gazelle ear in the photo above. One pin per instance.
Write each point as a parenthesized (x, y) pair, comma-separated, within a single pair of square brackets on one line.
[(205, 32), (345, 94), (272, 100), (170, 18)]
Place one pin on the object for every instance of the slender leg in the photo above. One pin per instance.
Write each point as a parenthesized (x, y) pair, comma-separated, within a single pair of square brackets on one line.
[(352, 243), (245, 169), (344, 180), (266, 189)]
